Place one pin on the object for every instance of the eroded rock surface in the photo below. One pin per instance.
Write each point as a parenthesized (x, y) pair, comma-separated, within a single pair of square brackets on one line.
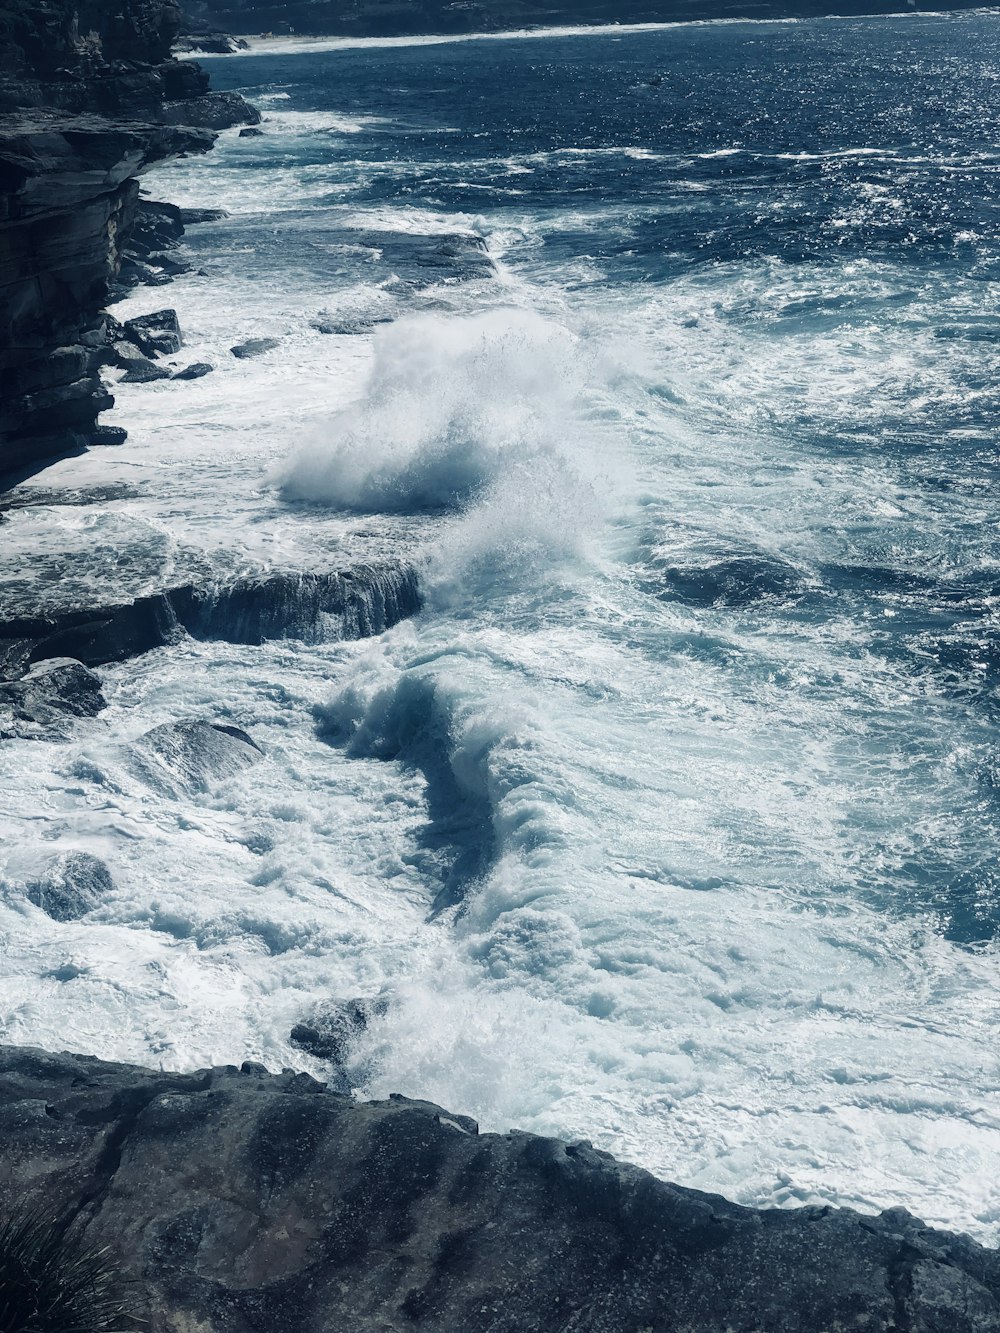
[(240, 1201)]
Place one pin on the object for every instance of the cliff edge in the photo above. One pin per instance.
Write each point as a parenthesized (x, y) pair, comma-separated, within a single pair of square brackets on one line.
[(234, 1201), (90, 98)]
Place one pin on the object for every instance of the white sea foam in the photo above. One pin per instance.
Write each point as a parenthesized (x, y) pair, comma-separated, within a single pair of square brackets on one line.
[(617, 861)]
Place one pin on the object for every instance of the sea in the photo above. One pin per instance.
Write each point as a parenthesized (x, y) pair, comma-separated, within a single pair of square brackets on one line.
[(668, 358)]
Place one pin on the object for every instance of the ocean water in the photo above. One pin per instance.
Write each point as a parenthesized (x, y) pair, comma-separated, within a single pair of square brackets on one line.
[(671, 822)]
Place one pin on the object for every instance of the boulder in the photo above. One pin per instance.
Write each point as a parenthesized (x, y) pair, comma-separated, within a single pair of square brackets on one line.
[(156, 334), (192, 216), (142, 371), (194, 371), (184, 758), (333, 1028), (250, 132), (73, 884), (51, 692)]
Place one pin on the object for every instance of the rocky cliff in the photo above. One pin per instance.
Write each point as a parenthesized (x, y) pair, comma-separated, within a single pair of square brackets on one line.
[(89, 99), (392, 17), (233, 1201)]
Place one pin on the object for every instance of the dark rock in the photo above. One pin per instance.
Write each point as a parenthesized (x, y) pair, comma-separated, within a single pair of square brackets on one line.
[(73, 884), (184, 758), (235, 1200), (315, 608), (214, 111), (142, 371), (89, 100), (250, 132), (52, 691), (108, 435), (213, 43), (707, 574), (156, 334), (333, 1028), (194, 371), (254, 347), (192, 216)]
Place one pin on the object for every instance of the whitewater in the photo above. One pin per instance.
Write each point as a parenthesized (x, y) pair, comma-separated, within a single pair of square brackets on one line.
[(667, 358)]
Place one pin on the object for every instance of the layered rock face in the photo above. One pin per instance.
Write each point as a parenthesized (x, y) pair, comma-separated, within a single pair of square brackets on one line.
[(89, 99), (235, 1200)]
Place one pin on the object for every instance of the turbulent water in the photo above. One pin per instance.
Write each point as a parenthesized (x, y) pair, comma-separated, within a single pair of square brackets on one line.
[(671, 821)]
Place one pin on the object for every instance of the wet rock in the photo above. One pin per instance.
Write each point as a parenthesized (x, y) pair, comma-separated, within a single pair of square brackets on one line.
[(108, 435), (250, 132), (89, 100), (706, 574), (195, 371), (142, 371), (51, 692), (73, 884), (333, 1028), (214, 43), (214, 111), (317, 608), (254, 347), (192, 216), (156, 334), (190, 756), (237, 1200)]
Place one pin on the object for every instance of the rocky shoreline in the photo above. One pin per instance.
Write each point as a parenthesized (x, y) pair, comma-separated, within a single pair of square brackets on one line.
[(234, 1200), (90, 99)]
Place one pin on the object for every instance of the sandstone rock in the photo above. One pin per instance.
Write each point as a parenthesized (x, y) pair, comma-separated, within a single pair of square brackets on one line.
[(237, 1201)]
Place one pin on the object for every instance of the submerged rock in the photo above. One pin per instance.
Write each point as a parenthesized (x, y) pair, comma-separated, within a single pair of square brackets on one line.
[(254, 347), (195, 371), (73, 884), (234, 1201), (706, 574), (333, 1028), (189, 756)]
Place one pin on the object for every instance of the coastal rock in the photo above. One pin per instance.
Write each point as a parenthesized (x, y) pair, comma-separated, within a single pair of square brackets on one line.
[(235, 1201), (188, 757), (142, 371), (250, 132), (332, 1029), (194, 371), (192, 216), (156, 334), (89, 100), (316, 608), (254, 347), (47, 696), (73, 884)]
